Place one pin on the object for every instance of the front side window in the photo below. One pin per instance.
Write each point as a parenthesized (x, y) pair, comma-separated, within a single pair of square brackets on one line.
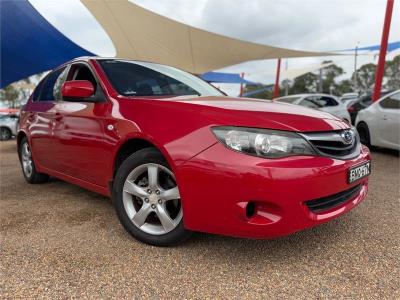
[(326, 101), (81, 71), (47, 93), (132, 78), (391, 102), (57, 86)]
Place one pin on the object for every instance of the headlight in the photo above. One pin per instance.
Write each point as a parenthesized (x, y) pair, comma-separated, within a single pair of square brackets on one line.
[(263, 142)]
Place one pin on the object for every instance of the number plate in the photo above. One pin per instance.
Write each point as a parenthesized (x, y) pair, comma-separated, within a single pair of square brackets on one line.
[(359, 172)]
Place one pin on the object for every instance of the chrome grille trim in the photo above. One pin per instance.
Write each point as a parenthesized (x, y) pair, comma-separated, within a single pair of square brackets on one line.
[(331, 144)]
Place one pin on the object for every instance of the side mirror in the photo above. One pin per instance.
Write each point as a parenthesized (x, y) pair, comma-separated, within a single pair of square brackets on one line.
[(77, 89)]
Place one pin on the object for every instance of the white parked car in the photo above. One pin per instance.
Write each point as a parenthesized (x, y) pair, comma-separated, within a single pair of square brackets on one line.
[(8, 126), (324, 102), (379, 124)]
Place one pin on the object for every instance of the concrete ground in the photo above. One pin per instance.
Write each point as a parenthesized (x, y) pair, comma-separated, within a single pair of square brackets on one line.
[(58, 240)]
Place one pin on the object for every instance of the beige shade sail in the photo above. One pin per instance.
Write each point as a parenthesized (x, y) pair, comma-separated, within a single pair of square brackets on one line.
[(140, 34)]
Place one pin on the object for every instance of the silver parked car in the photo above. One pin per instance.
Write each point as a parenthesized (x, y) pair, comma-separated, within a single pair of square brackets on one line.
[(324, 102), (8, 126)]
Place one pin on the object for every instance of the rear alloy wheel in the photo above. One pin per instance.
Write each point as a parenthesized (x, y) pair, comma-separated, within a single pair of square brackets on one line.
[(28, 165), (147, 199), (5, 134)]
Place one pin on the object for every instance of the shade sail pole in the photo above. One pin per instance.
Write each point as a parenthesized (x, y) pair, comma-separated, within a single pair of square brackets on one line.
[(276, 86), (380, 69), (241, 85)]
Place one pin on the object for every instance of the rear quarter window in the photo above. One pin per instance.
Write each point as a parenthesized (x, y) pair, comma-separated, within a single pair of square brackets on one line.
[(36, 92)]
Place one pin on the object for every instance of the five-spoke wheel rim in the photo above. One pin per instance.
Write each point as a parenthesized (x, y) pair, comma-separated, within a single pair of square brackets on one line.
[(151, 199), (26, 157)]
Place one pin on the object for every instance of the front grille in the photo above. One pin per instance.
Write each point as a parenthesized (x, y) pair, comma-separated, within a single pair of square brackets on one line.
[(332, 144), (323, 204)]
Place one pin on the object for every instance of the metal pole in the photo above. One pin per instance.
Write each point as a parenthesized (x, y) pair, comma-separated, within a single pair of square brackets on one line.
[(287, 84), (241, 85), (355, 83), (380, 68), (276, 86), (320, 88)]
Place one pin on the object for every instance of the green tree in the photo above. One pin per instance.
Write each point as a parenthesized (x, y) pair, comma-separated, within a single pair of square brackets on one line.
[(392, 73), (261, 95), (9, 95), (329, 75), (306, 83), (365, 77), (344, 86)]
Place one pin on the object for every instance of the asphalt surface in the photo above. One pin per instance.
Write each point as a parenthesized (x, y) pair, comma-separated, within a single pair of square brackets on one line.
[(59, 241)]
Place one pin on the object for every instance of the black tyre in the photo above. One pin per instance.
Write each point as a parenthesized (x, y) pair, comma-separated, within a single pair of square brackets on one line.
[(147, 200), (5, 134), (28, 164), (363, 132)]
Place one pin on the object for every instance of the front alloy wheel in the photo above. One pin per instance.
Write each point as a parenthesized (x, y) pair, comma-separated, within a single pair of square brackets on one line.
[(147, 199), (151, 199)]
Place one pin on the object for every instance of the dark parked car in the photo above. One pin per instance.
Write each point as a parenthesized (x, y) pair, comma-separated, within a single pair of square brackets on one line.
[(358, 104)]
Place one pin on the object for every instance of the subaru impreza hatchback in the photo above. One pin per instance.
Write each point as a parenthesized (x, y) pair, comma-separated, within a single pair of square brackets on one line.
[(177, 156)]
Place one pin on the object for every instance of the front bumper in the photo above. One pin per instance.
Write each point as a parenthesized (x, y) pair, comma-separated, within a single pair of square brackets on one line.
[(218, 184)]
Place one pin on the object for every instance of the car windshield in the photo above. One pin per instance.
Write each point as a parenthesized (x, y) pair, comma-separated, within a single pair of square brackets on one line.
[(134, 78), (288, 99)]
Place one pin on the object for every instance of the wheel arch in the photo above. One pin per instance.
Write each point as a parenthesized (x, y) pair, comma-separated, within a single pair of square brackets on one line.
[(6, 127), (20, 135), (132, 145), (365, 126)]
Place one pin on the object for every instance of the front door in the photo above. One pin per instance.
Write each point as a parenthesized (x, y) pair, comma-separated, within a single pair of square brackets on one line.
[(389, 119), (79, 132)]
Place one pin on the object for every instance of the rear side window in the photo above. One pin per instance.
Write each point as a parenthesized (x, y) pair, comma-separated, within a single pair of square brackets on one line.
[(36, 92), (47, 93), (310, 102), (391, 102)]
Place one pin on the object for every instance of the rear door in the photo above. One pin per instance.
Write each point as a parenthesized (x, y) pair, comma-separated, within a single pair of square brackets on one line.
[(389, 119), (40, 118)]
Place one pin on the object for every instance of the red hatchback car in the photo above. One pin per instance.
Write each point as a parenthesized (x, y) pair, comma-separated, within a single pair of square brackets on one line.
[(177, 156)]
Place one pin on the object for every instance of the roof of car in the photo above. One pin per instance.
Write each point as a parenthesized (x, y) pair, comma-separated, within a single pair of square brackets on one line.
[(309, 94), (87, 58)]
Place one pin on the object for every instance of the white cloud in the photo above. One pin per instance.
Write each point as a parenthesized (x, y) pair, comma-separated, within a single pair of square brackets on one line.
[(319, 25)]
